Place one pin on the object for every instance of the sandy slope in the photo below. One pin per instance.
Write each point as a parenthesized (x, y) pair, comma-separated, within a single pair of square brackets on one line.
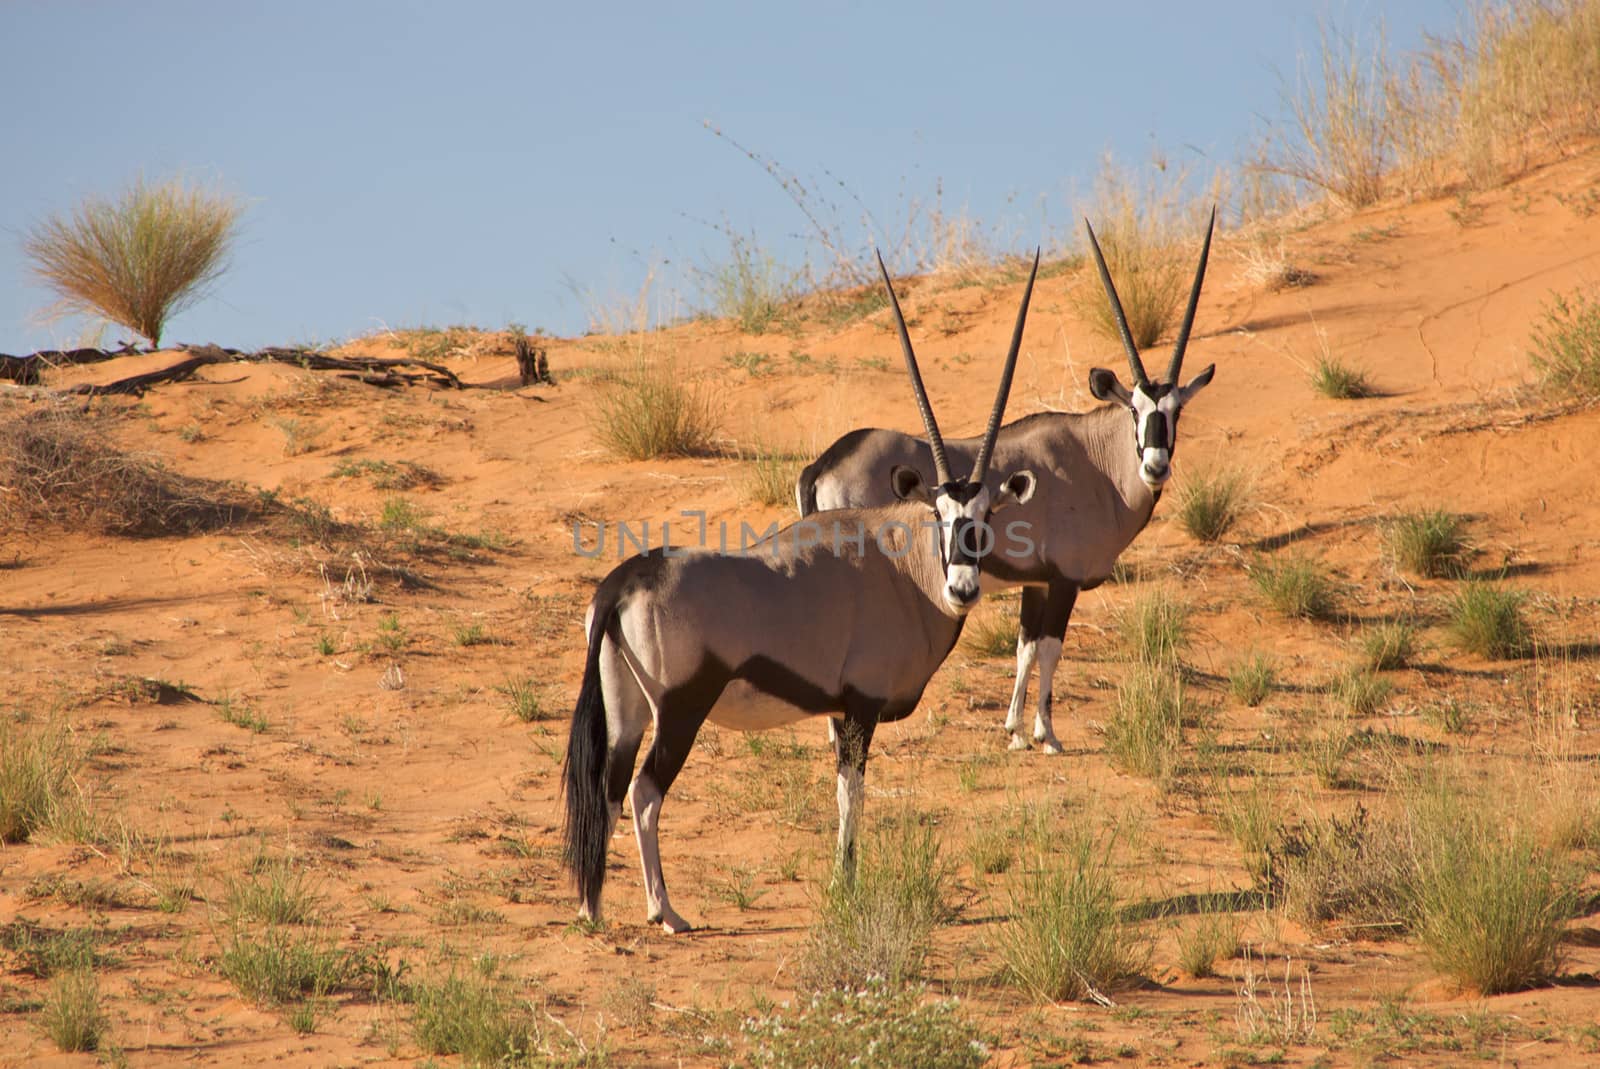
[(430, 814)]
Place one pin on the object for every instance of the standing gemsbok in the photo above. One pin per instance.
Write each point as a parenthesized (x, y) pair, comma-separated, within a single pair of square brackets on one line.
[(1100, 474), (846, 616)]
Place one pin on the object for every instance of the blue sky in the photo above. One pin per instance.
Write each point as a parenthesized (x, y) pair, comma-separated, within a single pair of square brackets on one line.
[(484, 163)]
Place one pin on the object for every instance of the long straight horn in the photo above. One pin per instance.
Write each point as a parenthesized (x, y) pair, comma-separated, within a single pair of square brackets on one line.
[(1135, 365), (941, 466), (980, 467), (1194, 301)]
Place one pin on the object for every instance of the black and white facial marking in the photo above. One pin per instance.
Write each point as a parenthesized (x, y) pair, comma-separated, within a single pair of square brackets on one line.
[(963, 511), (1155, 408)]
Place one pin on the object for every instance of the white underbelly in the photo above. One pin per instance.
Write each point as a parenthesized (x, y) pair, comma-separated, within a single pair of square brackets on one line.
[(744, 708)]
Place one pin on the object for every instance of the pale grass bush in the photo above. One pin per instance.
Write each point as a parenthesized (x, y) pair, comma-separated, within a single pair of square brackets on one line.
[(139, 259), (650, 410), (1339, 134), (1142, 226)]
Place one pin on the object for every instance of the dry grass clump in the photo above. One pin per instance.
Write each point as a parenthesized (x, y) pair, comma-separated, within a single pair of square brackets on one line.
[(1566, 345), (1430, 543), (879, 922), (1487, 620), (139, 259), (648, 411), (1339, 137), (1490, 903), (57, 470), (38, 785), (71, 1015), (1296, 586), (1144, 733), (1250, 680), (993, 631), (1467, 879), (1067, 937), (1155, 628), (1210, 502), (1522, 80), (770, 475), (1388, 645), (1137, 224), (1212, 936)]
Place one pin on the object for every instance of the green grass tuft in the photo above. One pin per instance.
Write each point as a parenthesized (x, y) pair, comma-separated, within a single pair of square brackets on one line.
[(1295, 587), (1332, 377), (1430, 543), (1250, 680), (1209, 503), (1144, 734), (1566, 344), (1155, 628), (1066, 938), (71, 1016), (1487, 620)]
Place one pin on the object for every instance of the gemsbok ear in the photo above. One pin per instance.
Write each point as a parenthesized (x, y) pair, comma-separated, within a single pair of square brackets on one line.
[(1196, 384), (1106, 387), (1016, 490), (908, 485)]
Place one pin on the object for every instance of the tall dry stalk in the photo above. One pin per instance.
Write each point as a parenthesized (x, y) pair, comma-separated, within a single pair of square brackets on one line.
[(139, 259)]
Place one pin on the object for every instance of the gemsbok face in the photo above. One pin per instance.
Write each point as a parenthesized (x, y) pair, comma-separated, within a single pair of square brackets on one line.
[(1154, 406)]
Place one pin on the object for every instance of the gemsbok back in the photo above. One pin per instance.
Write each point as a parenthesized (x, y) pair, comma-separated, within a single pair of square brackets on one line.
[(845, 616), (1100, 474)]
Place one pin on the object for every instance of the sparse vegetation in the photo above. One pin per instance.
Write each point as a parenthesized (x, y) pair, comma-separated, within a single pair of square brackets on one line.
[(649, 411), (1360, 691), (477, 1017), (389, 475), (1339, 137), (1487, 620), (749, 288), (770, 476), (137, 260), (275, 889), (1295, 586), (274, 966), (1566, 344), (1211, 502), (1213, 935), (525, 695), (1491, 904), (1429, 543)]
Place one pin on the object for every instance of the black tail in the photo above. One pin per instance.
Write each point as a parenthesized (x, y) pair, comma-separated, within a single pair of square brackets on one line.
[(805, 490), (586, 829)]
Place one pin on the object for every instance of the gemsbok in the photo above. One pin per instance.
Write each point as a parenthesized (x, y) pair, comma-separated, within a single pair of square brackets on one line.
[(846, 616), (1100, 474)]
